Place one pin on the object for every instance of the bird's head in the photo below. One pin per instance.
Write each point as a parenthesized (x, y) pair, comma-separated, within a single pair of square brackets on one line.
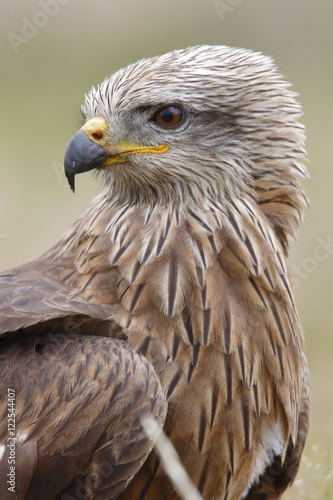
[(203, 122)]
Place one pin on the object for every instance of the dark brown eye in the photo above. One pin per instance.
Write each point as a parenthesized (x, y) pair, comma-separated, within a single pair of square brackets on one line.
[(169, 117)]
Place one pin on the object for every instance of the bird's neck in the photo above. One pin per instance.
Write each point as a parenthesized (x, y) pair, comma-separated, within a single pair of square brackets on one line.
[(140, 234)]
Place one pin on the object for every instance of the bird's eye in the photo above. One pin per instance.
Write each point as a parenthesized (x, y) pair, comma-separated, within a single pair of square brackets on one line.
[(169, 117)]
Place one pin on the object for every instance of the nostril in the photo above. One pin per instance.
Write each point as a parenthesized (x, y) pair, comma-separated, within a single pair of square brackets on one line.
[(97, 135), (96, 129)]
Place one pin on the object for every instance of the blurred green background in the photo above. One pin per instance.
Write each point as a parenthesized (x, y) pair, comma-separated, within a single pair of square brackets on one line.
[(52, 51)]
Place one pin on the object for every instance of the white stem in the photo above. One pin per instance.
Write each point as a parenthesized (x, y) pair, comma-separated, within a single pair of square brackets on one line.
[(170, 460)]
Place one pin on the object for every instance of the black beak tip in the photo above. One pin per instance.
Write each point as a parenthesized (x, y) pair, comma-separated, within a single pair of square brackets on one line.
[(71, 181)]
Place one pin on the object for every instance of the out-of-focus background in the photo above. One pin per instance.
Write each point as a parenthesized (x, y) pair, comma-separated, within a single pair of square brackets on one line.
[(52, 51)]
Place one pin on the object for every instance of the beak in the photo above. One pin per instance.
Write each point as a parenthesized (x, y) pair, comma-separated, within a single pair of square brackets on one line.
[(89, 149)]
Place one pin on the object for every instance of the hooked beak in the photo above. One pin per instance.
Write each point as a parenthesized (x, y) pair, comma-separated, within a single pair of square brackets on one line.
[(89, 149)]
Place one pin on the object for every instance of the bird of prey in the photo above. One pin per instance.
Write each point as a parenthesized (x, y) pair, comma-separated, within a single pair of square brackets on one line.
[(170, 296)]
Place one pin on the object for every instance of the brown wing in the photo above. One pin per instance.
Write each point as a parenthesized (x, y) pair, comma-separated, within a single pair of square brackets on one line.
[(34, 293), (55, 285), (77, 404)]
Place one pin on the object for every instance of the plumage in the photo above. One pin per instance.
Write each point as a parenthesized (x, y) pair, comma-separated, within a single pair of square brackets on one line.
[(176, 271)]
